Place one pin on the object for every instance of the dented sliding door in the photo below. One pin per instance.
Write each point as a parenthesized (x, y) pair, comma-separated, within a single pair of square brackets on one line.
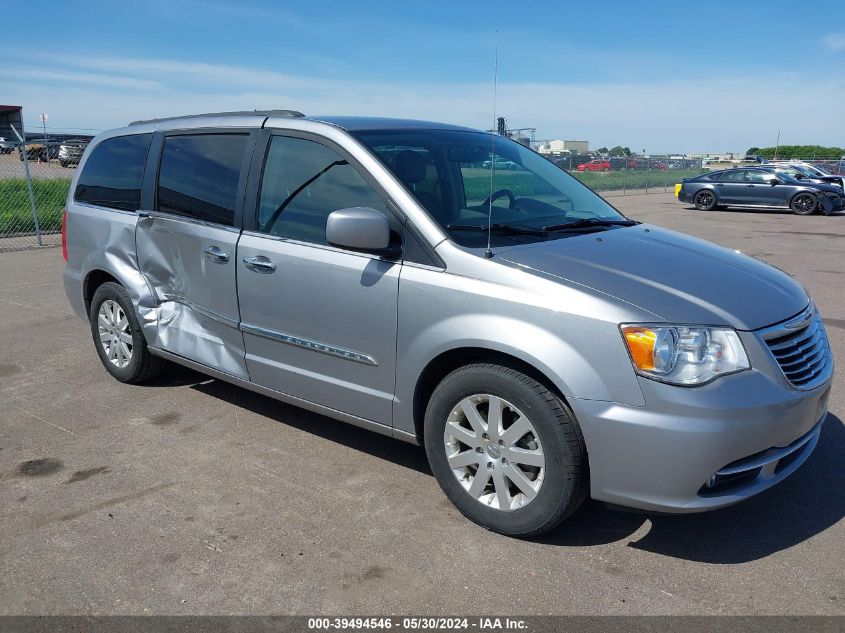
[(190, 268), (186, 245)]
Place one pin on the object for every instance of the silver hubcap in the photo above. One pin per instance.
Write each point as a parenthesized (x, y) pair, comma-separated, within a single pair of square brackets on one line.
[(115, 337), (494, 452)]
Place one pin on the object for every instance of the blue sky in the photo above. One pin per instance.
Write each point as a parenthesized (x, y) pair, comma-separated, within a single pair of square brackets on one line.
[(660, 76)]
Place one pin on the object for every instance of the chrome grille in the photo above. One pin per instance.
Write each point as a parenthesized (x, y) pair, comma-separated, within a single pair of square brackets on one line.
[(800, 347)]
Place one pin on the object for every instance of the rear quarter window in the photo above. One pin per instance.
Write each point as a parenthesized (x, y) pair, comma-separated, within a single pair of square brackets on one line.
[(113, 173), (199, 176)]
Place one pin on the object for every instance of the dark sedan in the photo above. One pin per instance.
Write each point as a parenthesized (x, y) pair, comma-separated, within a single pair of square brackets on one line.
[(763, 187)]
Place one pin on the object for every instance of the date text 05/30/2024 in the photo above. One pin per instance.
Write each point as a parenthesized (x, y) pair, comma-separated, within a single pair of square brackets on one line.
[(420, 623)]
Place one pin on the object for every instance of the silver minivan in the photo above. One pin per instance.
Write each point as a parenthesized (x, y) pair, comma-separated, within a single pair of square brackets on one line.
[(540, 345)]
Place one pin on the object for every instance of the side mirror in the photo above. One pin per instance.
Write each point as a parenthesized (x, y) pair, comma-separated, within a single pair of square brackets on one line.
[(774, 181), (361, 229)]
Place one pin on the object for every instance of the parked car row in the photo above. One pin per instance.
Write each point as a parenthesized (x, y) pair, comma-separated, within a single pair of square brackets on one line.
[(67, 153), (766, 186), (621, 163), (39, 151)]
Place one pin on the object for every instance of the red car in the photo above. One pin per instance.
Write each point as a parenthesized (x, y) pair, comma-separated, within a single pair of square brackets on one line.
[(599, 164)]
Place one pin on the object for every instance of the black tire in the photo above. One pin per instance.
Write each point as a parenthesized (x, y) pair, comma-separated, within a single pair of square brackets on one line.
[(705, 200), (142, 365), (565, 481), (804, 203), (63, 163)]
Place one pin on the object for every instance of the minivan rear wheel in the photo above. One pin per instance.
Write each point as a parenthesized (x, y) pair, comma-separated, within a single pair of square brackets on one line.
[(118, 338), (505, 449)]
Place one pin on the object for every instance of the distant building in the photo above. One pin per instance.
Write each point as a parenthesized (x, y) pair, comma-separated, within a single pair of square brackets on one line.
[(11, 119), (558, 147)]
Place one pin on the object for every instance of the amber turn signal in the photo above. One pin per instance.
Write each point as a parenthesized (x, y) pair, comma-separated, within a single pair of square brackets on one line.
[(641, 343)]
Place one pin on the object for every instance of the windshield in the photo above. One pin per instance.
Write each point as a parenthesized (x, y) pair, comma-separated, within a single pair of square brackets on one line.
[(791, 173), (818, 171), (792, 170), (450, 171)]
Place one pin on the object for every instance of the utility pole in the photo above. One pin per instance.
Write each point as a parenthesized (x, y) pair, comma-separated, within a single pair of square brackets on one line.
[(46, 147), (777, 145)]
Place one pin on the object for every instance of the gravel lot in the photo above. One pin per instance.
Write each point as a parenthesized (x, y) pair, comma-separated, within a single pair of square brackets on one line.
[(191, 496)]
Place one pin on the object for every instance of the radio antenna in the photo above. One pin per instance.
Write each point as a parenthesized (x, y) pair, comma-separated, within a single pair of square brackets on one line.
[(489, 252)]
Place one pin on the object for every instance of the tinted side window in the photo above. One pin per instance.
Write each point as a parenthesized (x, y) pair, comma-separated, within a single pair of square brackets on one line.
[(303, 183), (733, 176), (113, 173), (755, 175), (199, 174)]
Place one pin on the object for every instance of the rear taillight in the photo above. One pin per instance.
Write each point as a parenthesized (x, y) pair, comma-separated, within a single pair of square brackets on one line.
[(64, 234)]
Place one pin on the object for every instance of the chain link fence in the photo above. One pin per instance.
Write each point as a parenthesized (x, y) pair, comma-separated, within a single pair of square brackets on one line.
[(33, 190)]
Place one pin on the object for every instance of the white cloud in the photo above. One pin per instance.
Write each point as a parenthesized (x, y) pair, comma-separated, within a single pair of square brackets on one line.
[(834, 42), (41, 75), (714, 114)]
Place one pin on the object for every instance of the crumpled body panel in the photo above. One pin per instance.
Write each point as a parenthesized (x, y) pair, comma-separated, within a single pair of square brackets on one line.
[(195, 314)]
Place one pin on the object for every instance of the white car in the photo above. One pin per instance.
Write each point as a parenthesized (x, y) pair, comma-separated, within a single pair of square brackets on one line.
[(811, 171), (6, 146)]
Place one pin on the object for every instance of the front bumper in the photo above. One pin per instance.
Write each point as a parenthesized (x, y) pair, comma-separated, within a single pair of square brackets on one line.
[(740, 434), (831, 205)]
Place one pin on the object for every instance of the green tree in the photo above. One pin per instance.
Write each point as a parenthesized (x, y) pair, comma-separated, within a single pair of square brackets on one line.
[(808, 152), (602, 150), (618, 150), (751, 151)]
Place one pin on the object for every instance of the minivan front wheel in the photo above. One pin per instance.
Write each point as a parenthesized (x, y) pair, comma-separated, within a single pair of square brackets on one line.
[(118, 338), (505, 449)]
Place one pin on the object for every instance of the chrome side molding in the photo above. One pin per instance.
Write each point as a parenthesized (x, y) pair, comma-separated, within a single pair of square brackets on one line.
[(314, 346)]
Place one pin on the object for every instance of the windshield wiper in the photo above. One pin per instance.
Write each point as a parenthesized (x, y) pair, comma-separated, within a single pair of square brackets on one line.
[(588, 223), (509, 229)]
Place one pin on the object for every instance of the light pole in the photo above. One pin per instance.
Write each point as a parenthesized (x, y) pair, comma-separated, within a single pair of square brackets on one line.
[(46, 147)]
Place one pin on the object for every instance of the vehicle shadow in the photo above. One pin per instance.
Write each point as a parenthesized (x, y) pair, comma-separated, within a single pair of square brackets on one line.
[(761, 210), (805, 504), (381, 446)]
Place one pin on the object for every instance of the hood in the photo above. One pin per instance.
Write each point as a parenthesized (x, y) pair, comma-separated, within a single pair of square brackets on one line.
[(679, 278), (824, 186)]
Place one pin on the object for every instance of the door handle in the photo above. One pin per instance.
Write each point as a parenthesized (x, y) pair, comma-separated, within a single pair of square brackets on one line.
[(259, 264), (214, 254)]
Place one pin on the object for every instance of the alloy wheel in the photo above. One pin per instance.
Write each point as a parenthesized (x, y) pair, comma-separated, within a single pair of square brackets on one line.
[(804, 203), (494, 452), (704, 199), (115, 337)]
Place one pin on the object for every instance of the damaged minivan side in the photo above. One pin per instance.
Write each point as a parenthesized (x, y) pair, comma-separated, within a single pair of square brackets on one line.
[(540, 345)]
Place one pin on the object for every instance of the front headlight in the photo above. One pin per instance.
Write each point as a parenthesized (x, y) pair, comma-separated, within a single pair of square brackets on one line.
[(682, 354)]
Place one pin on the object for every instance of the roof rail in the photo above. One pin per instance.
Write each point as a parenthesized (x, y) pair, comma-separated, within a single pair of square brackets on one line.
[(290, 113)]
